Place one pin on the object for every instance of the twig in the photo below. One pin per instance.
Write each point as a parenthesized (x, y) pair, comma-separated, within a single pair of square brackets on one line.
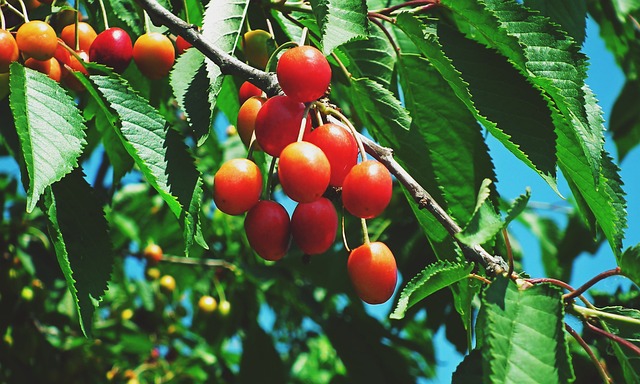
[(601, 369), (203, 262), (582, 289), (613, 337)]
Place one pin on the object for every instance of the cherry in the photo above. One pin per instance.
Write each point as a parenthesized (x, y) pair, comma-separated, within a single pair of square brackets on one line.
[(62, 54), (86, 36), (373, 272), (167, 283), (37, 39), (153, 254), (314, 226), (254, 45), (182, 45), (247, 118), (303, 73), (340, 148), (248, 90), (154, 55), (8, 50), (304, 171), (49, 67), (366, 190), (278, 124), (224, 307), (113, 48), (268, 230), (207, 304), (76, 66), (237, 186)]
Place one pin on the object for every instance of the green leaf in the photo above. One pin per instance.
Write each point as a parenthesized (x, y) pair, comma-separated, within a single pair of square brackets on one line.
[(128, 12), (517, 207), (49, 126), (469, 370), (381, 107), (434, 277), (80, 236), (629, 263), (340, 21), (189, 81), (570, 15), (372, 58), (526, 129), (485, 222), (222, 24), (524, 335), (159, 153)]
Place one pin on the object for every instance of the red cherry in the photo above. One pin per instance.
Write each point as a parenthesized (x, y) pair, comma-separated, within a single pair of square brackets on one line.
[(314, 226), (268, 230), (304, 171), (86, 35), (62, 54), (37, 39), (248, 90), (247, 119), (8, 50), (182, 45), (237, 186), (154, 55), (49, 67), (278, 124), (153, 253), (366, 190), (112, 48), (303, 73), (340, 148), (373, 272)]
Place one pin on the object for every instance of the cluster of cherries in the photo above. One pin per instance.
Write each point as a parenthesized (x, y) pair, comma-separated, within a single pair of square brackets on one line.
[(37, 44), (309, 162)]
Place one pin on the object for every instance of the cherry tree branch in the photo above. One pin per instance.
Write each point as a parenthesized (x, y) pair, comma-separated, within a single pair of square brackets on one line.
[(229, 65)]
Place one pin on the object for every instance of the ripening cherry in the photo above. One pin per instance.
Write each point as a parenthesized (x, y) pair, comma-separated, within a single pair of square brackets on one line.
[(75, 65), (303, 73), (268, 230), (237, 186), (248, 90), (207, 304), (366, 190), (154, 55), (37, 39), (182, 45), (339, 146), (113, 48), (62, 54), (314, 226), (86, 36), (49, 67), (278, 124), (254, 45), (373, 272), (303, 171), (247, 119), (8, 50), (153, 253)]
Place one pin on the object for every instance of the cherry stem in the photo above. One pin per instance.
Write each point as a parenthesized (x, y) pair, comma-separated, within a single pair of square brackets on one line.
[(374, 15), (272, 168), (634, 348), (303, 122), (186, 11), (76, 5), (2, 21), (203, 262), (216, 284), (601, 369), (365, 231), (344, 232), (593, 312), (270, 28), (582, 289), (507, 243), (303, 36), (341, 65), (24, 13), (104, 14), (387, 34), (478, 277)]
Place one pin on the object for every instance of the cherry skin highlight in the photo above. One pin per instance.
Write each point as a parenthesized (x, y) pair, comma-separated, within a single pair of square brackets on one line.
[(278, 124), (367, 189), (268, 230), (237, 186), (37, 39), (304, 171), (314, 226), (303, 73), (154, 55), (8, 50), (373, 272), (113, 48), (339, 146)]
